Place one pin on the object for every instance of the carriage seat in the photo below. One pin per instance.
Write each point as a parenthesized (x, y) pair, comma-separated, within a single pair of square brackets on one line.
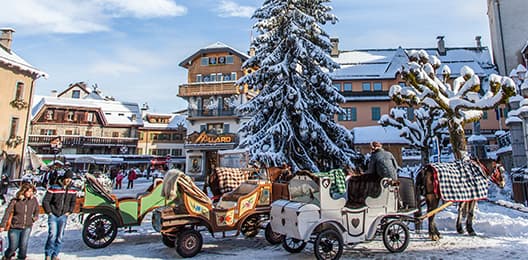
[(244, 189), (150, 188)]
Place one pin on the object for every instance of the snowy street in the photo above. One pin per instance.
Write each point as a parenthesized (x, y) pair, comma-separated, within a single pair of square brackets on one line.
[(502, 233)]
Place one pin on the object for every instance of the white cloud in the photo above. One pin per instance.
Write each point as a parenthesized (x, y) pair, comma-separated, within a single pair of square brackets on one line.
[(106, 67), (231, 9), (142, 8), (73, 16)]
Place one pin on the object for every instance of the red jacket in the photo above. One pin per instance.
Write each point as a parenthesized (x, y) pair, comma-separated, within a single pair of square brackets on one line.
[(132, 175)]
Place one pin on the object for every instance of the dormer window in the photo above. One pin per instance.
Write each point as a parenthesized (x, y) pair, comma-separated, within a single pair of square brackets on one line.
[(76, 94), (70, 116), (49, 115)]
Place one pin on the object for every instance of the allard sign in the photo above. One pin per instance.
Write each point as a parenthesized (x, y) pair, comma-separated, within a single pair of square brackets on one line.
[(205, 138)]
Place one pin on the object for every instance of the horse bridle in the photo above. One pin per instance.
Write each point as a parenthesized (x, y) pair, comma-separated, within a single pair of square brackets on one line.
[(497, 172)]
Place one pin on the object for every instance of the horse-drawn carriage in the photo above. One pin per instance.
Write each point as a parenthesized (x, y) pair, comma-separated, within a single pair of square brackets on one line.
[(243, 210), (318, 215), (106, 212)]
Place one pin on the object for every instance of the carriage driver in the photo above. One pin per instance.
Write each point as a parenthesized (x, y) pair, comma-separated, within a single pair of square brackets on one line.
[(382, 162)]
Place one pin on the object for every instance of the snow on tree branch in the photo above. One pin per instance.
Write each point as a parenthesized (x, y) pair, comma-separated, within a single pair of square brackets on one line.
[(292, 116), (459, 99)]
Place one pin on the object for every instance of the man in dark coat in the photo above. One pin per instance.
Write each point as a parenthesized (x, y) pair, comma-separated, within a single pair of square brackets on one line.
[(58, 203), (4, 185), (382, 162)]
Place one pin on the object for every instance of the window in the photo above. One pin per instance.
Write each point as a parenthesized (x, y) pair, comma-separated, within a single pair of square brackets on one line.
[(212, 60), (226, 77), (217, 128), (212, 77), (366, 86), (233, 76), (377, 86), (88, 133), (14, 127), (347, 87), (485, 115), (68, 132), (49, 114), (204, 61), (376, 113), (76, 94), (219, 76), (337, 86), (177, 137), (19, 92), (90, 117), (48, 132), (115, 134), (139, 151), (198, 77), (70, 116), (176, 152), (349, 115), (230, 59)]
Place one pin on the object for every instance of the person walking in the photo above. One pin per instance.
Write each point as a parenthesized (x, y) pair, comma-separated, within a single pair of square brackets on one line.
[(58, 203), (119, 180), (4, 185), (22, 212), (382, 162), (131, 177)]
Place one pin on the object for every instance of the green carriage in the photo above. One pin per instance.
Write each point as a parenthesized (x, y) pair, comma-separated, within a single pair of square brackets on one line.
[(107, 213)]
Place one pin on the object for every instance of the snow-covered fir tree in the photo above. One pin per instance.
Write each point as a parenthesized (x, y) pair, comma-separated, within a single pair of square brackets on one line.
[(459, 100), (420, 131), (292, 117)]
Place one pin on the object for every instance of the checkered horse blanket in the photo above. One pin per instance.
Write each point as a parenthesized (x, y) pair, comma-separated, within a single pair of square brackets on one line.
[(338, 187), (460, 181), (230, 178)]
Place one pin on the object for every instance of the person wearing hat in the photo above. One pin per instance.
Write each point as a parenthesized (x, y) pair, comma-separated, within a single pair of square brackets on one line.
[(382, 162), (58, 203), (22, 212)]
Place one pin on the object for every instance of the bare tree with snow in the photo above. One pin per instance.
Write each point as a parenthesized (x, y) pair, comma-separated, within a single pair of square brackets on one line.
[(427, 124), (459, 100), (292, 117)]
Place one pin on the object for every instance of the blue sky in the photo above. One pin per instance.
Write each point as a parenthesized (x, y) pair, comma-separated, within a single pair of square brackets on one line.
[(131, 48)]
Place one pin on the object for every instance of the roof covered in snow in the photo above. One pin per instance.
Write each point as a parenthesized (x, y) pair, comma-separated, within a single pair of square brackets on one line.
[(10, 58), (385, 135), (212, 48), (175, 121), (385, 63), (114, 112)]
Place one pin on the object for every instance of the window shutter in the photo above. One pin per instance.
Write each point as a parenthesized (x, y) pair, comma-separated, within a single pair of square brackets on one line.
[(226, 128)]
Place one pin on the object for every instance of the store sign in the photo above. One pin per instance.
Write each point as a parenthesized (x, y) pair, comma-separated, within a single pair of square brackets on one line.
[(205, 138)]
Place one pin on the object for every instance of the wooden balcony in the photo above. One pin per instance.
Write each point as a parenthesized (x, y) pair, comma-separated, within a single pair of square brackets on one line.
[(208, 89), (75, 140)]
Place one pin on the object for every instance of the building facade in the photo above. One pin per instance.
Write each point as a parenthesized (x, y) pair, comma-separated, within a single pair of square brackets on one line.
[(163, 136), (17, 83), (212, 95), (366, 76), (85, 124), (509, 35)]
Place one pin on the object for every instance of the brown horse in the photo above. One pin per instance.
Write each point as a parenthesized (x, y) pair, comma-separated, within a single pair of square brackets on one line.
[(426, 182)]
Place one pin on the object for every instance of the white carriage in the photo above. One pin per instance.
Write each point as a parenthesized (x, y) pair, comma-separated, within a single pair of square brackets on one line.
[(315, 215)]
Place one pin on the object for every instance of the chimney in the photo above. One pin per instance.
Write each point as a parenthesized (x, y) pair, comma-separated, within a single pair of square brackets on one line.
[(54, 93), (6, 38), (441, 45), (478, 40), (334, 52)]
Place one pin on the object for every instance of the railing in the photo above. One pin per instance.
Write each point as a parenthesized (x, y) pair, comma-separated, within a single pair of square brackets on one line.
[(211, 112), (212, 88), (71, 140), (365, 93)]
